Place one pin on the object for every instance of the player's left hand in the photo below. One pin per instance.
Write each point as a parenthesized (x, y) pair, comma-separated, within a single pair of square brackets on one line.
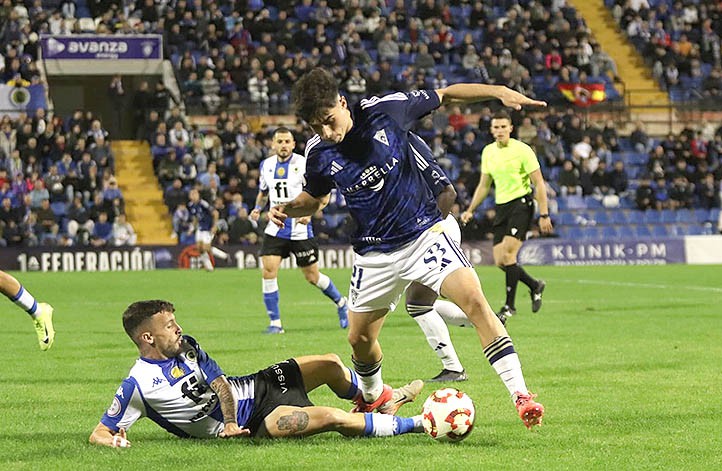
[(545, 225), (516, 100), (304, 220), (277, 216), (232, 430)]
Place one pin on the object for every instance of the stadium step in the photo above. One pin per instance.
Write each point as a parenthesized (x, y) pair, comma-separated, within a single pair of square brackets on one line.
[(630, 64), (144, 204)]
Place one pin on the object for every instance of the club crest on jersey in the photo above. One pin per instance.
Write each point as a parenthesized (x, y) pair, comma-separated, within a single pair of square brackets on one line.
[(177, 372), (372, 177), (280, 172), (381, 137), (114, 408)]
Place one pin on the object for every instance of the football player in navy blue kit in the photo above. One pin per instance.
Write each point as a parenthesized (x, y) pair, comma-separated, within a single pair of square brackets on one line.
[(368, 154)]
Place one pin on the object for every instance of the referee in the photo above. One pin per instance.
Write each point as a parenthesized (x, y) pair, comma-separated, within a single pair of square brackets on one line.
[(511, 164)]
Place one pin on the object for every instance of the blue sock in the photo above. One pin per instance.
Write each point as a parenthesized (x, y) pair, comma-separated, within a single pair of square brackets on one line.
[(353, 389), (381, 425), (271, 301), (325, 284)]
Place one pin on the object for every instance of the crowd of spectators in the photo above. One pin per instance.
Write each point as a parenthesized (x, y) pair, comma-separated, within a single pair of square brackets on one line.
[(249, 52), (680, 41), (57, 183)]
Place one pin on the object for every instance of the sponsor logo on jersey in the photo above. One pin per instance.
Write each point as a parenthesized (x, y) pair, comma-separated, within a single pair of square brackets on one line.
[(373, 177), (335, 167), (157, 381)]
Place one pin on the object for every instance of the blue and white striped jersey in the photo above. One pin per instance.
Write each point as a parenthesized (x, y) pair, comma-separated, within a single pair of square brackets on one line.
[(282, 182), (203, 214), (176, 394), (387, 175)]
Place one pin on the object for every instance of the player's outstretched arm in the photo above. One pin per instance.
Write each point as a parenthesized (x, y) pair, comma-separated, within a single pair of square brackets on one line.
[(303, 205), (102, 435), (472, 92)]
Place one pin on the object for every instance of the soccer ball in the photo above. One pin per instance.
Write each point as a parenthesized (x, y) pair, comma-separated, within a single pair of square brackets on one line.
[(448, 415)]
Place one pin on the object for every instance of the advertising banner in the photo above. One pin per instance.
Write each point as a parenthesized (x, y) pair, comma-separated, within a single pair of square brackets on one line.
[(603, 252), (91, 47), (242, 257)]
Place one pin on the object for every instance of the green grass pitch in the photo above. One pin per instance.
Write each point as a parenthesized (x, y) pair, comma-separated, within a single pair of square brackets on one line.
[(626, 360)]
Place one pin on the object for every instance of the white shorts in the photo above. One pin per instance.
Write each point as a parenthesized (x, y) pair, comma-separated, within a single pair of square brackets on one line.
[(452, 229), (379, 279), (204, 237)]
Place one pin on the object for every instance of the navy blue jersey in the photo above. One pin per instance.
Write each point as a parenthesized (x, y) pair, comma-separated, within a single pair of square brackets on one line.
[(385, 173), (203, 213)]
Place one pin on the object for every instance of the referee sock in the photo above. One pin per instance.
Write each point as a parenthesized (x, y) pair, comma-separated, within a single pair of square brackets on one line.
[(270, 299), (526, 278), (25, 300), (512, 280), (325, 284), (503, 358)]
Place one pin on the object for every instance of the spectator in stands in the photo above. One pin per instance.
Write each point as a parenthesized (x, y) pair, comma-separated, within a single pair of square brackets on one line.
[(600, 179), (582, 150), (46, 218), (569, 179), (187, 171), (618, 180), (179, 137), (640, 139), (707, 192), (645, 194), (96, 132), (322, 230), (711, 85), (661, 197), (681, 193), (258, 90), (80, 226), (38, 194), (102, 231), (355, 86), (102, 153), (602, 64), (242, 230), (210, 87), (123, 232), (161, 98)]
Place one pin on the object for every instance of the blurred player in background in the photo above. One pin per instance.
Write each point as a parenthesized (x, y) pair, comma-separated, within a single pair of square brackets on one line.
[(368, 153), (40, 313), (510, 164), (204, 219), (178, 386), (280, 181)]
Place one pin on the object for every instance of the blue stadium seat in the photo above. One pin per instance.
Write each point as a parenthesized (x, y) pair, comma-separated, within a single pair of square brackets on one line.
[(610, 232), (649, 217), (602, 217), (642, 230), (619, 217), (567, 218), (575, 233), (627, 232), (660, 230), (592, 202), (669, 216), (685, 215)]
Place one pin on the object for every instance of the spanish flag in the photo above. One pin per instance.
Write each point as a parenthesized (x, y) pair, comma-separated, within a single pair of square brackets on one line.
[(583, 94)]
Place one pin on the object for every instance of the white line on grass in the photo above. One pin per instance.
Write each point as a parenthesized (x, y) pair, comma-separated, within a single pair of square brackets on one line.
[(632, 284)]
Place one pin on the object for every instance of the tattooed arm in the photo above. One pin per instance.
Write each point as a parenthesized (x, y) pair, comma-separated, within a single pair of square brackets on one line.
[(222, 388)]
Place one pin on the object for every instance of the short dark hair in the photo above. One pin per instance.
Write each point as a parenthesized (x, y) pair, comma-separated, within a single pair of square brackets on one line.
[(282, 130), (501, 114), (313, 93), (140, 311)]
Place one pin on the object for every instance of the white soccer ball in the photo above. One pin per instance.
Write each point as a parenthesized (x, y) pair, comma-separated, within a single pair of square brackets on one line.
[(448, 415)]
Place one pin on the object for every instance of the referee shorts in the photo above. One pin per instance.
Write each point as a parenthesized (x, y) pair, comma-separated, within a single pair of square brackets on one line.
[(513, 218)]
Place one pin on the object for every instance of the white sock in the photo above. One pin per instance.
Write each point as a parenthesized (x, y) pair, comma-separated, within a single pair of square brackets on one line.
[(270, 286), (371, 386), (451, 313), (323, 281), (437, 335), (26, 301), (218, 253), (503, 358), (206, 261), (382, 425)]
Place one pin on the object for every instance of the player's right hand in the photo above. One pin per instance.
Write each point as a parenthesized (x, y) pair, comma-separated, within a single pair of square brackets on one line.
[(232, 430), (120, 440), (466, 216), (277, 216), (255, 214)]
